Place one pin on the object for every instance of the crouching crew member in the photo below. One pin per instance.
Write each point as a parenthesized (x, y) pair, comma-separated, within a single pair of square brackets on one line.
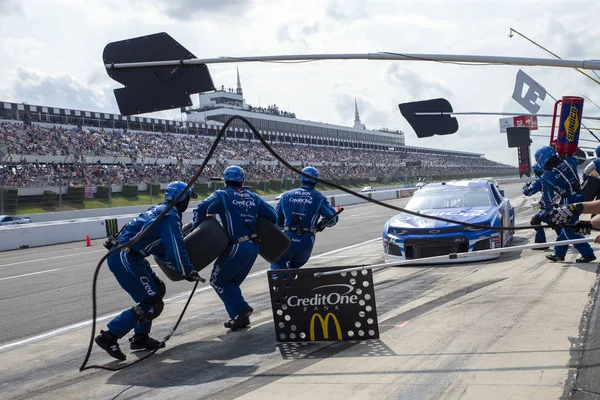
[(136, 277)]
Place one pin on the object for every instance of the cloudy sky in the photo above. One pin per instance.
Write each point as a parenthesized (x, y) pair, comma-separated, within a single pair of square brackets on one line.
[(50, 54)]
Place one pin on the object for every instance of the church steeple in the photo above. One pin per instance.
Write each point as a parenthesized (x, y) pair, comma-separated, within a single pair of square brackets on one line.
[(239, 83), (357, 123)]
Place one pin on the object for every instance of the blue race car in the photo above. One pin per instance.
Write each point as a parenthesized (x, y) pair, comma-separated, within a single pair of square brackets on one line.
[(407, 237)]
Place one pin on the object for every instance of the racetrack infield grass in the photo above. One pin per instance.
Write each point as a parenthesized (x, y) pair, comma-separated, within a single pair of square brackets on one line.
[(120, 201)]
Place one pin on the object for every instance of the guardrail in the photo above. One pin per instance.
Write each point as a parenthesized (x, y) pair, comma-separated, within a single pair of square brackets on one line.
[(75, 225), (75, 229), (347, 199)]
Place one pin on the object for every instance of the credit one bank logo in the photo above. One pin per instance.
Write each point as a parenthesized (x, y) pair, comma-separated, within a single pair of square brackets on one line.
[(326, 299)]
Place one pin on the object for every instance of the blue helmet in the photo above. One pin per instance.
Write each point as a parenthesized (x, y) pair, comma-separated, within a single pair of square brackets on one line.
[(174, 189), (312, 171), (543, 155), (598, 151), (233, 173)]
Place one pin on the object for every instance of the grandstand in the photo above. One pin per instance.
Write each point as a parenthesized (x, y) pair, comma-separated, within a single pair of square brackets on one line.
[(48, 146)]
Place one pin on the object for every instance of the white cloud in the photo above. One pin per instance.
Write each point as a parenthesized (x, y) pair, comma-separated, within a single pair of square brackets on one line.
[(190, 10), (8, 7), (42, 60), (60, 90), (418, 87)]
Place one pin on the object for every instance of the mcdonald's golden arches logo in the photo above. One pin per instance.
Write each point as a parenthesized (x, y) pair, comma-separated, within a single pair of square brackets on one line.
[(325, 326)]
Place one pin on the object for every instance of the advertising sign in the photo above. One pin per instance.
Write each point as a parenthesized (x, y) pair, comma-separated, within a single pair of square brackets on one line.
[(328, 308), (521, 120)]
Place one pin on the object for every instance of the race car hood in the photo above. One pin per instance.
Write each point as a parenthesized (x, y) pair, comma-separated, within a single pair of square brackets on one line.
[(472, 215)]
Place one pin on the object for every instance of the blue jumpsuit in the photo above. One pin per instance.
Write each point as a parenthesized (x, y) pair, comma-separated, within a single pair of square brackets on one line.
[(238, 210), (564, 181), (596, 166), (133, 271), (301, 208), (529, 190)]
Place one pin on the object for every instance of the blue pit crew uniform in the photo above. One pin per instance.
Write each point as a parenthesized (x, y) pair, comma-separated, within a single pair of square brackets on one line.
[(136, 277), (238, 209), (529, 190), (562, 179), (134, 273), (593, 169), (594, 165), (298, 212)]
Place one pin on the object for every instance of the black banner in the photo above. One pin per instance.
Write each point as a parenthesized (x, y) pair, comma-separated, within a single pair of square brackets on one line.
[(524, 161), (329, 308), (429, 125)]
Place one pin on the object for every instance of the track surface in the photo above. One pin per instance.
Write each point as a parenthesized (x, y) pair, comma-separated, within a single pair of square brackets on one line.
[(509, 328)]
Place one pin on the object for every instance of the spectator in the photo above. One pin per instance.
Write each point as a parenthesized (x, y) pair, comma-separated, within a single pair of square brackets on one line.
[(165, 157)]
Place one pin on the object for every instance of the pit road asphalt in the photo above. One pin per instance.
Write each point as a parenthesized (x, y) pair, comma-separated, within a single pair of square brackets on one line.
[(515, 327)]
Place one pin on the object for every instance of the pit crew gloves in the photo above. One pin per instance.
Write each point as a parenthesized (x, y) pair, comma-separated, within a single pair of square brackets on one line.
[(582, 228), (561, 215)]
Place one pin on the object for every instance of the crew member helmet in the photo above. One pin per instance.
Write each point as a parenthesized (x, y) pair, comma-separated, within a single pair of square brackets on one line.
[(174, 189), (312, 171), (543, 155), (233, 173)]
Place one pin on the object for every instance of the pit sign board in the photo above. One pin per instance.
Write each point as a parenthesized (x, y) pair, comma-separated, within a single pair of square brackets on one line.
[(329, 308)]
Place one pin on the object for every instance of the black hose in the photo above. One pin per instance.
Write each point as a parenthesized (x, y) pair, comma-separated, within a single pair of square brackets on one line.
[(136, 239), (258, 136)]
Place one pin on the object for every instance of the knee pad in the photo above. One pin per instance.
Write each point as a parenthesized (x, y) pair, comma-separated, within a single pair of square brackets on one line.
[(149, 309), (162, 288)]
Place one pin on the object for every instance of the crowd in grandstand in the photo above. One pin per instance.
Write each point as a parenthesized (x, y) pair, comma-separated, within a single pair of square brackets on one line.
[(19, 146), (273, 110)]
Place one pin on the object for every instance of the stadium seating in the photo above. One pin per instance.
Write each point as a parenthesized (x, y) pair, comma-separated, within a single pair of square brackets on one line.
[(22, 147)]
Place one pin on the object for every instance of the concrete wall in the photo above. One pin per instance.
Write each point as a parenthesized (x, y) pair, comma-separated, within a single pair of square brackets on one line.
[(73, 226), (74, 229), (99, 212)]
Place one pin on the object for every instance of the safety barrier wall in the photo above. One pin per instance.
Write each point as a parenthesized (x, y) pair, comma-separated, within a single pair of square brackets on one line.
[(93, 224), (98, 212), (78, 224), (65, 231), (347, 199)]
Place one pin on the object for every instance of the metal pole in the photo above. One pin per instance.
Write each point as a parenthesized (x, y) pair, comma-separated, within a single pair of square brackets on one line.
[(385, 56), (454, 256), (494, 113), (2, 199)]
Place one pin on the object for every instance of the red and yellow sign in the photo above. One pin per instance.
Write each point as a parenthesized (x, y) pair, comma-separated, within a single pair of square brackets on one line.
[(325, 326)]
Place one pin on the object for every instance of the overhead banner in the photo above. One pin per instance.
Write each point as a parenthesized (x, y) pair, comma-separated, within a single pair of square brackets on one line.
[(328, 308), (520, 121), (527, 92)]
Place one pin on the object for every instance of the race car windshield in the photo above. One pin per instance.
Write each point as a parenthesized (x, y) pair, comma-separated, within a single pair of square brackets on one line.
[(449, 198)]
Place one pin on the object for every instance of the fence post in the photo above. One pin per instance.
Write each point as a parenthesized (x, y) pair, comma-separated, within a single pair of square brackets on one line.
[(150, 185), (2, 200), (109, 195), (60, 197)]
